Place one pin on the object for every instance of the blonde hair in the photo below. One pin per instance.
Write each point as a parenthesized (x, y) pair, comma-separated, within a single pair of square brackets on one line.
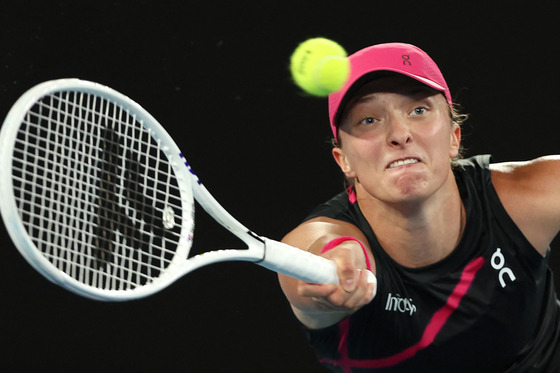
[(457, 119)]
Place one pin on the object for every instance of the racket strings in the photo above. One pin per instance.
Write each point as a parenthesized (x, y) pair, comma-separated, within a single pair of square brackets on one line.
[(92, 187)]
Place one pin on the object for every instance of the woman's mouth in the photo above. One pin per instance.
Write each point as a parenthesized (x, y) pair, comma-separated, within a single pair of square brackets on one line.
[(402, 162)]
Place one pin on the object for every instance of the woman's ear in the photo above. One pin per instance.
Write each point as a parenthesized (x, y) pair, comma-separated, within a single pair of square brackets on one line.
[(455, 141), (343, 162)]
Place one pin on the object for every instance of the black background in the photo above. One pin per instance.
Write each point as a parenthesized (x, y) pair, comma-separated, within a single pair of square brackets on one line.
[(215, 74)]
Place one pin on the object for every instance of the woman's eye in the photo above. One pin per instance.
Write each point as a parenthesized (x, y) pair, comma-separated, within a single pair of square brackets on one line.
[(368, 120), (418, 111)]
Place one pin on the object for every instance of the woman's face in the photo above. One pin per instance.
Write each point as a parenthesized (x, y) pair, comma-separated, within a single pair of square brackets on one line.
[(397, 140)]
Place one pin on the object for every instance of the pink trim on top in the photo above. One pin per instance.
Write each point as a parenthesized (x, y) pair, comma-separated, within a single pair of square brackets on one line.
[(433, 328), (352, 195), (337, 241)]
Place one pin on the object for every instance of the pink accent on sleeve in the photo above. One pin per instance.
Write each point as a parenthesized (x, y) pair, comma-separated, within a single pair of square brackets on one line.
[(337, 241)]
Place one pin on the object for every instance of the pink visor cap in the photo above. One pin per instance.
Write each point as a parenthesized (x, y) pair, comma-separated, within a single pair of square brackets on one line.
[(371, 62)]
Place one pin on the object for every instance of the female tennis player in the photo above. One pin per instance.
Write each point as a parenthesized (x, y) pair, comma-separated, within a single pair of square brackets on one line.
[(459, 247)]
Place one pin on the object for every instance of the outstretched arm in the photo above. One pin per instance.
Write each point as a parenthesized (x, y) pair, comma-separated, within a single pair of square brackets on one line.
[(530, 193), (319, 306)]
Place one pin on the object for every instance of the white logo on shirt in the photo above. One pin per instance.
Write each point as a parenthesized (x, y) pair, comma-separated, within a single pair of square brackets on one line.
[(398, 304), (498, 262)]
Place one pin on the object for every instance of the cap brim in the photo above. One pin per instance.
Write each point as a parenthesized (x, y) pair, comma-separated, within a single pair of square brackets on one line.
[(372, 75)]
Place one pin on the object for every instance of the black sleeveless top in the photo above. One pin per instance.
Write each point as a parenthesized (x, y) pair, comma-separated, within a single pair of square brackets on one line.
[(490, 306)]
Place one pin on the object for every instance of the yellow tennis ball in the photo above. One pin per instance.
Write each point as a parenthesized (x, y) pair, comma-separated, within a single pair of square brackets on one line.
[(319, 66)]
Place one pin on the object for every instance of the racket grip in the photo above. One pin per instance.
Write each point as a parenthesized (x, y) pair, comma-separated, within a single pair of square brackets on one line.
[(299, 264)]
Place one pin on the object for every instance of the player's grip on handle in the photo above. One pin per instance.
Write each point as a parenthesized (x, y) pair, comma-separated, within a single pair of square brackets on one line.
[(302, 265)]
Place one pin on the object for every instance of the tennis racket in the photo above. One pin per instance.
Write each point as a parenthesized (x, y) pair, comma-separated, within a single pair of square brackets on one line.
[(98, 198)]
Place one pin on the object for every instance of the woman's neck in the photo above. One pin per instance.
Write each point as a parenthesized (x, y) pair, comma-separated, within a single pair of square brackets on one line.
[(417, 234)]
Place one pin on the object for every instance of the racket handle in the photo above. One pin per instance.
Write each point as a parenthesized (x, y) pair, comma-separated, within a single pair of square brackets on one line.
[(296, 263)]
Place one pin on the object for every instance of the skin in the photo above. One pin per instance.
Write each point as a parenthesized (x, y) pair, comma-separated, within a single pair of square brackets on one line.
[(415, 208)]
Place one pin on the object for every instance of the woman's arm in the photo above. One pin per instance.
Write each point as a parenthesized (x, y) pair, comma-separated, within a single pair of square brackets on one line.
[(319, 306)]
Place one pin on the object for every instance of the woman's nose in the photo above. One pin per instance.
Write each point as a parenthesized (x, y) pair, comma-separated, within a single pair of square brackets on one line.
[(398, 132)]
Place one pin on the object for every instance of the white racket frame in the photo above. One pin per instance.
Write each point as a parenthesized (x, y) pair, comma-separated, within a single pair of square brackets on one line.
[(268, 253)]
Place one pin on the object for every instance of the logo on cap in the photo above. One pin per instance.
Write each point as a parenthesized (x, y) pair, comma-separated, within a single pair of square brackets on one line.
[(406, 60)]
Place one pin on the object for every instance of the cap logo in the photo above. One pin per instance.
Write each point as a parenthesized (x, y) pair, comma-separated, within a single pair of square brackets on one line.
[(406, 60)]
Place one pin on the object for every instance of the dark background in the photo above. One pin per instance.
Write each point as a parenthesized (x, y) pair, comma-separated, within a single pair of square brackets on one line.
[(215, 73)]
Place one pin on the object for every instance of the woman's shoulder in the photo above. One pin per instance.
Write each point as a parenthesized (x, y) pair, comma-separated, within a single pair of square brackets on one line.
[(530, 193)]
